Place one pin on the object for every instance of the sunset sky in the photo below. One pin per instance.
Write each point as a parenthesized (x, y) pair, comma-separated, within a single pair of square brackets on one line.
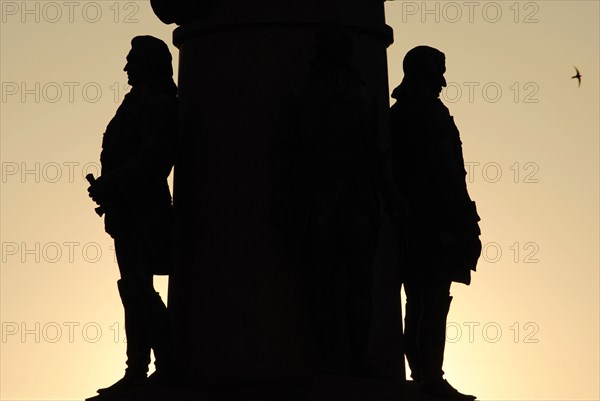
[(527, 328)]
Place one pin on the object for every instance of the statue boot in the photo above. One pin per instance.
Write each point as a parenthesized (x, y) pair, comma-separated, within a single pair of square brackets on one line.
[(138, 344), (160, 341), (431, 346), (412, 318)]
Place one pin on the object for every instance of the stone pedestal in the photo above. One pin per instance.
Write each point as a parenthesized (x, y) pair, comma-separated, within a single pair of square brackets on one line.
[(320, 389), (238, 300)]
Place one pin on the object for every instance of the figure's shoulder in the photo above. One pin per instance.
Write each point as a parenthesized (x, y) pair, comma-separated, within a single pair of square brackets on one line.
[(440, 106), (159, 102), (408, 107), (159, 96), (440, 112)]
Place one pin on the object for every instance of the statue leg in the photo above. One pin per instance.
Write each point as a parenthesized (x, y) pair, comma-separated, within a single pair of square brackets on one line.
[(412, 323), (159, 334), (432, 329), (138, 345), (132, 288), (432, 341), (359, 237)]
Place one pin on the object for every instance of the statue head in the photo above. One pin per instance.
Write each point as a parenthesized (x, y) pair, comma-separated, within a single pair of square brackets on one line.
[(424, 69), (149, 59)]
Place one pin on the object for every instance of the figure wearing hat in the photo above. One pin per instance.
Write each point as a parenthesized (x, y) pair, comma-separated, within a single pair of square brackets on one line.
[(440, 228)]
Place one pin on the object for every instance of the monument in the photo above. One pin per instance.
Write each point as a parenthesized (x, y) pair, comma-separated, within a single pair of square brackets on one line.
[(237, 298)]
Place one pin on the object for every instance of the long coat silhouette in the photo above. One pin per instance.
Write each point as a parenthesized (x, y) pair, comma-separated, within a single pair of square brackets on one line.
[(442, 223), (137, 157)]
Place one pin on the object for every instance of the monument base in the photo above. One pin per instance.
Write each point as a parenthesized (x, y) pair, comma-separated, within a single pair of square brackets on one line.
[(320, 388)]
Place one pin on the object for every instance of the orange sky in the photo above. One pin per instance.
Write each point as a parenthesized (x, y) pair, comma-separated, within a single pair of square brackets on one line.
[(526, 329)]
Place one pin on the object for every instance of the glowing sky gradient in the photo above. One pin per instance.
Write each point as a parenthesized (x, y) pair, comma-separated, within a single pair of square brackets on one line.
[(526, 329)]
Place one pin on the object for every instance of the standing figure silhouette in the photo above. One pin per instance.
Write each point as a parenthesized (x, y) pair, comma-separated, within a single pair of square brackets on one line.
[(440, 230), (330, 201), (137, 157), (327, 197)]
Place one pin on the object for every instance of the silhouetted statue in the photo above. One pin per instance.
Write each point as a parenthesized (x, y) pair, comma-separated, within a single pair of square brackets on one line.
[(137, 157), (440, 231), (328, 198)]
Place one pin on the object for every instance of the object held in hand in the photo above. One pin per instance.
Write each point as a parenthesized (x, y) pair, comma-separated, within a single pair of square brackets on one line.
[(92, 180)]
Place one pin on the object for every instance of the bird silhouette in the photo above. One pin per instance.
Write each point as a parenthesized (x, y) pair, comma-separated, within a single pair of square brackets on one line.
[(578, 76)]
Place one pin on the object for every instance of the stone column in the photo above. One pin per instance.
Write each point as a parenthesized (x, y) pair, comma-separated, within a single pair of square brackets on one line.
[(239, 302)]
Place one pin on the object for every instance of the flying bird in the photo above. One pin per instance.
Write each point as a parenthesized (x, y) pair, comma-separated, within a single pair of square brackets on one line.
[(578, 76)]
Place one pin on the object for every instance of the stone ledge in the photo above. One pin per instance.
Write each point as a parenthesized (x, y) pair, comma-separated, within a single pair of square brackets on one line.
[(322, 388)]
